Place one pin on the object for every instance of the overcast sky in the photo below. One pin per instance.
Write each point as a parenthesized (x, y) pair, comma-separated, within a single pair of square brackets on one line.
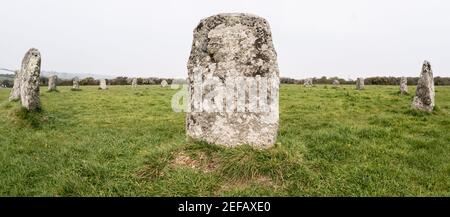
[(346, 38)]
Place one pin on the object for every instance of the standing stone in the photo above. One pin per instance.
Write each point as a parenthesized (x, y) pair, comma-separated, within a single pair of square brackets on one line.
[(134, 83), (403, 85), (52, 83), (103, 84), (30, 74), (335, 82), (424, 99), (15, 92), (308, 82), (236, 51), (76, 84), (164, 83), (360, 84)]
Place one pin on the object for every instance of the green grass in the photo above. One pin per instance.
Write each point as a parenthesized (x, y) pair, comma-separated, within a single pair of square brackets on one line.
[(128, 142)]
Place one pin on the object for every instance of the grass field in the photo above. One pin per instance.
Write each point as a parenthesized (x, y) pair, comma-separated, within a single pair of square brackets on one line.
[(128, 142)]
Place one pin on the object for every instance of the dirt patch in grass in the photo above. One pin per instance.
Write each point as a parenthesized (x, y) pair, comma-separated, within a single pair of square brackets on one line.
[(200, 161), (157, 166)]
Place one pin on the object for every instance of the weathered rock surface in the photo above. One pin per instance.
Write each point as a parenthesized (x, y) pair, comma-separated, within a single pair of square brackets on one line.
[(30, 74), (164, 83), (134, 82), (103, 84), (308, 82), (233, 50), (360, 83), (15, 91), (424, 98), (76, 83), (52, 83), (403, 85)]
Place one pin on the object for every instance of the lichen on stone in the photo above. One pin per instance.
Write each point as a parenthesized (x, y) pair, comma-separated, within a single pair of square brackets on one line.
[(229, 47)]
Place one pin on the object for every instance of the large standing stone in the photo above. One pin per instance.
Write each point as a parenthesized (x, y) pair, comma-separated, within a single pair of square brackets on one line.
[(15, 91), (76, 83), (360, 83), (134, 82), (403, 85), (103, 84), (52, 83), (424, 99), (30, 74), (164, 83), (308, 82), (235, 53)]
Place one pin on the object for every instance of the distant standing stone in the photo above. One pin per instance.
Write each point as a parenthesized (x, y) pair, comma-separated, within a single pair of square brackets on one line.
[(15, 92), (308, 82), (360, 83), (52, 83), (76, 84), (103, 84), (29, 87), (403, 85), (134, 82), (335, 83), (234, 51), (424, 99), (164, 83)]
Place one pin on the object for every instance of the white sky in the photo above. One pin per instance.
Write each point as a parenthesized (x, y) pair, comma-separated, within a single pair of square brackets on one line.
[(345, 38)]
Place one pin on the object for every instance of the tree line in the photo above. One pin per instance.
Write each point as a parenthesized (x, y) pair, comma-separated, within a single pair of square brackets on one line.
[(368, 81), (7, 80), (115, 81)]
